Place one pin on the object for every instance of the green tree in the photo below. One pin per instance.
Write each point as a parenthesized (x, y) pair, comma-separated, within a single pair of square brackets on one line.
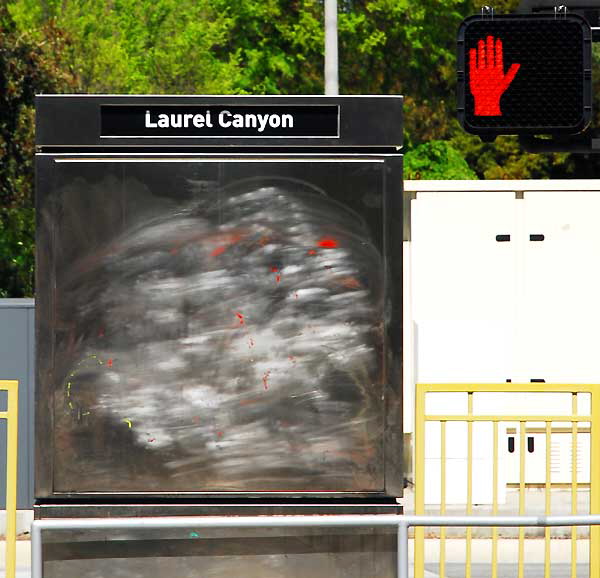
[(27, 66), (436, 159), (403, 47), (505, 158), (139, 46), (219, 46), (278, 45), (500, 6)]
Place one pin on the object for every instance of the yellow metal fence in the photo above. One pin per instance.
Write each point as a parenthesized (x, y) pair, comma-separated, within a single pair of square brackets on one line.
[(572, 416), (11, 417)]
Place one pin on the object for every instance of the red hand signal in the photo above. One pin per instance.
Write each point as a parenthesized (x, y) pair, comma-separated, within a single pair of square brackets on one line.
[(487, 80)]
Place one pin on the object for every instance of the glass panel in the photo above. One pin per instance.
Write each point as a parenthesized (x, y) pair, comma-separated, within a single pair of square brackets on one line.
[(218, 325), (222, 553)]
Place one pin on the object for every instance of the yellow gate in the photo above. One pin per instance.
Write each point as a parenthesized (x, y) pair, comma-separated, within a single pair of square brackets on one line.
[(581, 412), (11, 416)]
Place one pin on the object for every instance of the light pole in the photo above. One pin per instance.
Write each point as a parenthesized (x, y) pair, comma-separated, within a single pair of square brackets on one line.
[(331, 48)]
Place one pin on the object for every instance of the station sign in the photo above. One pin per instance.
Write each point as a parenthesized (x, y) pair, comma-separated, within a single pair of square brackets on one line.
[(220, 121)]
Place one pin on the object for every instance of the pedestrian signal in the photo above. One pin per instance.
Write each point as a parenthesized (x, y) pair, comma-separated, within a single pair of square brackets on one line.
[(524, 74)]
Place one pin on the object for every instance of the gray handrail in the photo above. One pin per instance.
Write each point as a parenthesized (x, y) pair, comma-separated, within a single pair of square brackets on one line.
[(403, 523)]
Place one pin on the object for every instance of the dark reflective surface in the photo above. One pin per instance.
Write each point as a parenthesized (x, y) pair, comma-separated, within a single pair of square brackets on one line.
[(214, 326), (261, 553)]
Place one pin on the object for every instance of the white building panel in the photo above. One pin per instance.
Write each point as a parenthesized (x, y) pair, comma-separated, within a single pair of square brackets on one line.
[(559, 318), (504, 284), (462, 286)]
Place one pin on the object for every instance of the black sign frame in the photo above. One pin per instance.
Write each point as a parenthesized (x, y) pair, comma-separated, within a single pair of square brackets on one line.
[(74, 121)]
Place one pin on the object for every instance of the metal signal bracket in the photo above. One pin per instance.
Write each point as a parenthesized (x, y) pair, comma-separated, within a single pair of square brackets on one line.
[(560, 10), (589, 9), (487, 12)]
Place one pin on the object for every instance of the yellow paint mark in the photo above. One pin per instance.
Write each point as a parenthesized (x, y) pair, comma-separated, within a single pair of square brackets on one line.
[(70, 405), (128, 422), (79, 363)]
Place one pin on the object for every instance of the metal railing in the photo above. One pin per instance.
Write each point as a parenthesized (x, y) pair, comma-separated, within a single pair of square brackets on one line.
[(402, 523), (11, 417), (571, 415)]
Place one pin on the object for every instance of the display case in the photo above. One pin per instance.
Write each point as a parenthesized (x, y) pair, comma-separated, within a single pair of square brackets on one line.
[(219, 325)]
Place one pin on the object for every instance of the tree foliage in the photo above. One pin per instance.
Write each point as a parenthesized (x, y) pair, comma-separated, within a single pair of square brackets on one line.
[(27, 66), (139, 46), (402, 47), (436, 159), (222, 47), (278, 45)]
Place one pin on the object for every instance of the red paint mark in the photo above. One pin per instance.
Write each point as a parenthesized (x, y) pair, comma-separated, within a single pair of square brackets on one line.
[(351, 283), (312, 252), (487, 80), (218, 251), (101, 333), (250, 342), (174, 251), (220, 434), (276, 270), (109, 363), (196, 419), (224, 241), (227, 238), (240, 317), (292, 358), (265, 379), (328, 243), (152, 440)]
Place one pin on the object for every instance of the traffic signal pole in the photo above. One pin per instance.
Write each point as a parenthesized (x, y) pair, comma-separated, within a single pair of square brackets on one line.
[(331, 48)]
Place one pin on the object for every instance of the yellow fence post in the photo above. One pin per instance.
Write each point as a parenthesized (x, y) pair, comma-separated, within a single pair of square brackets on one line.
[(422, 418), (595, 482), (11, 416), (419, 538)]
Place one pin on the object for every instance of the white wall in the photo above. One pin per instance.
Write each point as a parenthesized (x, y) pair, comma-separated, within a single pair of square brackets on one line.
[(480, 310)]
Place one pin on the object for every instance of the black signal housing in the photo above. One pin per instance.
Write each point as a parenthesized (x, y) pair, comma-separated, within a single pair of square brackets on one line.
[(537, 80)]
